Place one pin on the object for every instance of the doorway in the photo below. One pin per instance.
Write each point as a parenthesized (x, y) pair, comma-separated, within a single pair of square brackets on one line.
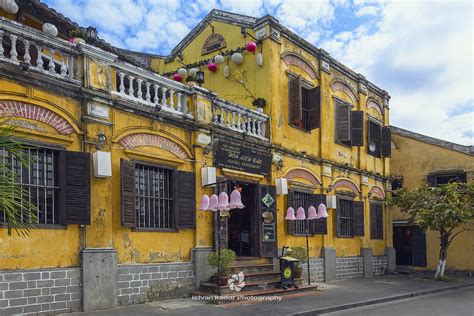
[(410, 246), (240, 224)]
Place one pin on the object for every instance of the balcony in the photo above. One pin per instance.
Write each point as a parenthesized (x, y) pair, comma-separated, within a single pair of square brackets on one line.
[(240, 119), (152, 90), (36, 51)]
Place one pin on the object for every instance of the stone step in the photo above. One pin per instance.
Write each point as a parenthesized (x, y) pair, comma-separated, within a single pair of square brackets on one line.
[(212, 288), (277, 291), (251, 268), (252, 261), (261, 276)]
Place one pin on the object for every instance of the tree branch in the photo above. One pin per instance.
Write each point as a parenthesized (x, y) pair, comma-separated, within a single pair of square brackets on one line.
[(463, 230)]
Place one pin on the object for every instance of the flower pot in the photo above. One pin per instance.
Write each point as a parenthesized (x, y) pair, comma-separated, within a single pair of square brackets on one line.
[(223, 280)]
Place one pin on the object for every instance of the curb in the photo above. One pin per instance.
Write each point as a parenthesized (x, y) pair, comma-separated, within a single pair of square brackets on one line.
[(379, 300)]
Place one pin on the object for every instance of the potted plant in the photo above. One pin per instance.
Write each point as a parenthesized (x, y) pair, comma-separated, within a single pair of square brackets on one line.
[(226, 260), (191, 80), (259, 103), (300, 254), (77, 36)]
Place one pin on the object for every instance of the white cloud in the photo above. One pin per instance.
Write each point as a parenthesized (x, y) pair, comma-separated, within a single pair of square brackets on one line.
[(368, 10)]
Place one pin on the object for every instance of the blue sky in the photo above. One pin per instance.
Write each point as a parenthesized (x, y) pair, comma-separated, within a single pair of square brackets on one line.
[(419, 51)]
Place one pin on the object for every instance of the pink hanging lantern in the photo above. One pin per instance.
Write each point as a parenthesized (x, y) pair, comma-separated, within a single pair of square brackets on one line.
[(300, 215), (213, 201), (322, 213), (235, 200), (251, 47), (212, 67), (312, 213), (177, 77), (223, 202), (290, 214), (204, 203)]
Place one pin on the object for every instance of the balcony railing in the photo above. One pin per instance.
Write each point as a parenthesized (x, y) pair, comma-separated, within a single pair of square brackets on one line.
[(239, 118), (36, 50), (152, 90)]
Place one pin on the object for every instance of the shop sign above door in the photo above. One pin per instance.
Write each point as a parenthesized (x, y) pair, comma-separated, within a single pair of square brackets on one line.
[(212, 43), (242, 157)]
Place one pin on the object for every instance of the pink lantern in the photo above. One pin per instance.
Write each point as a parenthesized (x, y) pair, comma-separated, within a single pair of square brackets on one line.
[(290, 214), (235, 200), (177, 77), (251, 47), (214, 200), (223, 202), (312, 213), (212, 67), (300, 215), (322, 213), (204, 203)]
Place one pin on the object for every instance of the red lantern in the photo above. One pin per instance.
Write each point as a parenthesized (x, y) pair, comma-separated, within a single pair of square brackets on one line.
[(212, 67), (177, 77), (251, 47)]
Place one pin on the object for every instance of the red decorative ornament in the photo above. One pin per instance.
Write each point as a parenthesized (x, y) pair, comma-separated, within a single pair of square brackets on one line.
[(177, 77), (212, 67), (251, 47)]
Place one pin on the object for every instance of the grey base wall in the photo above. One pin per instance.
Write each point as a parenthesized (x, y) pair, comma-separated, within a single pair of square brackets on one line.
[(316, 270), (349, 267), (143, 282), (380, 264), (40, 291)]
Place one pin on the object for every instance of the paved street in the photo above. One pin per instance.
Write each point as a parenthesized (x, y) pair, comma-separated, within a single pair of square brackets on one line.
[(458, 302), (332, 294)]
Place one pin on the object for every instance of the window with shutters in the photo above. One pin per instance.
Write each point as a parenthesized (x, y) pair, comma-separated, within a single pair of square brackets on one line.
[(304, 104), (153, 197), (345, 220), (349, 125), (376, 220), (301, 199), (379, 140), (435, 180), (304, 199), (38, 181)]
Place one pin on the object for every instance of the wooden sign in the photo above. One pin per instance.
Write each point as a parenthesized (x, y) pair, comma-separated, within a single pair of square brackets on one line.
[(212, 43), (243, 157), (268, 232)]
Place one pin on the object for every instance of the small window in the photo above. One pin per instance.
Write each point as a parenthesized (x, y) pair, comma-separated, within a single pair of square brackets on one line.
[(445, 178), (349, 127), (345, 218), (154, 197), (376, 221), (379, 140), (38, 182), (304, 104)]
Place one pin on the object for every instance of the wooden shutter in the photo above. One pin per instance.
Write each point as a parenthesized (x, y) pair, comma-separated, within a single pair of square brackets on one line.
[(431, 180), (386, 143), (223, 225), (267, 249), (357, 128), (419, 246), (319, 226), (358, 218), (185, 198), (374, 221), (373, 134), (379, 221), (314, 108), (127, 193), (343, 122), (291, 225), (75, 196), (296, 111)]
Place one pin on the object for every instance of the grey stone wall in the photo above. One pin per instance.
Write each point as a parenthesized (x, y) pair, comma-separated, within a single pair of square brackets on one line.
[(380, 263), (143, 282), (349, 267), (316, 268), (40, 291)]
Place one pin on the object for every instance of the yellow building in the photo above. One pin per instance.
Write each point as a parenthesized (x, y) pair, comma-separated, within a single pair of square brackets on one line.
[(123, 155), (440, 163)]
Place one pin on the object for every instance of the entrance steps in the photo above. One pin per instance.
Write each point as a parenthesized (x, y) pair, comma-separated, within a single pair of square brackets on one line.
[(260, 280)]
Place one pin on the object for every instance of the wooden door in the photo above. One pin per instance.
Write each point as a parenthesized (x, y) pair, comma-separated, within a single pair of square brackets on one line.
[(266, 232)]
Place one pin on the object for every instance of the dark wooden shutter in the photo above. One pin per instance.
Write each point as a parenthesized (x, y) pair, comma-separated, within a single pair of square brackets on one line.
[(267, 248), (386, 143), (379, 221), (319, 226), (374, 134), (357, 128), (185, 199), (75, 196), (296, 111), (314, 108), (291, 225), (223, 225), (343, 122), (127, 193), (373, 221), (431, 180), (358, 218), (419, 246)]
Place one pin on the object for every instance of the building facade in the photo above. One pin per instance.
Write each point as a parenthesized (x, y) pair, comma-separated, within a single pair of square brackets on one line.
[(119, 151), (441, 163)]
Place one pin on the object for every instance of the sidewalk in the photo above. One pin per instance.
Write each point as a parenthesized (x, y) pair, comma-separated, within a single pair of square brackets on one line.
[(332, 295)]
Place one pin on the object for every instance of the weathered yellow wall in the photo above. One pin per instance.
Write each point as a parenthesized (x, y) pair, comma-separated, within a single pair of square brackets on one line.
[(414, 160)]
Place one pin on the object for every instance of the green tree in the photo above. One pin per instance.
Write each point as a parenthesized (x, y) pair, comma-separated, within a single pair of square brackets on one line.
[(446, 209), (20, 214)]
